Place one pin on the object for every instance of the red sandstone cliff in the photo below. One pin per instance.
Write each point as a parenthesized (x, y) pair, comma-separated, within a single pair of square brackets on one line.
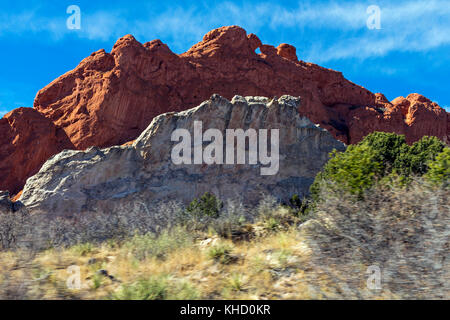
[(110, 98), (28, 140)]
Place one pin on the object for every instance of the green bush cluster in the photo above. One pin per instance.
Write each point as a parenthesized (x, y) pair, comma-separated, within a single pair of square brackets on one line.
[(156, 288), (380, 156), (205, 206), (439, 169), (220, 253), (301, 207), (159, 245), (208, 213)]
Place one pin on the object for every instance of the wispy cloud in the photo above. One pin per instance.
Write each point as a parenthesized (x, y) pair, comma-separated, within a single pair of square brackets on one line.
[(407, 26)]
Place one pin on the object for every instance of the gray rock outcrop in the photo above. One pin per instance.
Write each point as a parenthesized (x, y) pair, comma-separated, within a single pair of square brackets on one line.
[(6, 205), (96, 179)]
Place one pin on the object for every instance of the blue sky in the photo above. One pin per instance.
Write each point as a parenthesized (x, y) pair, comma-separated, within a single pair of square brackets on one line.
[(410, 53)]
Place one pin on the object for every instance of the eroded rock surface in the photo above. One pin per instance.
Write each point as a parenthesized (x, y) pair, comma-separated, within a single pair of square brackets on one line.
[(101, 179)]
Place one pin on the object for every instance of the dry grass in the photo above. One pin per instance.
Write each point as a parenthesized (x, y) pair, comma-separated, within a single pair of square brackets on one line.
[(270, 268), (405, 232), (326, 258)]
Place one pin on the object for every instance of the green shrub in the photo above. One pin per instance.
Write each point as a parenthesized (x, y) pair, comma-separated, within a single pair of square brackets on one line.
[(274, 216), (235, 282), (272, 224), (205, 206), (415, 159), (387, 146), (220, 253), (295, 202), (97, 280), (159, 246), (155, 288), (183, 290), (439, 172), (228, 224), (83, 249), (351, 171), (378, 156)]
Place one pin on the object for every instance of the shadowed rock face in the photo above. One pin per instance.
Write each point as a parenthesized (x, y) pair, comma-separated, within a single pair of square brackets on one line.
[(110, 98), (6, 206), (73, 182), (28, 139)]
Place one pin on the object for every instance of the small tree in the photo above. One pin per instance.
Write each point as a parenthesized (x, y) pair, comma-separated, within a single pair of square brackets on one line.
[(414, 159), (301, 207), (205, 206), (352, 171), (439, 172), (295, 202)]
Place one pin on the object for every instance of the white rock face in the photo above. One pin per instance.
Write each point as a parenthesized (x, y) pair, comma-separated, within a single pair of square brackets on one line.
[(74, 182)]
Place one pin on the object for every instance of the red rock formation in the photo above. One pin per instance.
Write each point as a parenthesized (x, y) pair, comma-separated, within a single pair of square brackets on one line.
[(110, 98), (287, 51), (28, 140), (413, 116)]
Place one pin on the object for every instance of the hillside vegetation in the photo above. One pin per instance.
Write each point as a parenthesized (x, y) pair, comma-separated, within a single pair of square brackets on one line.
[(380, 205)]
